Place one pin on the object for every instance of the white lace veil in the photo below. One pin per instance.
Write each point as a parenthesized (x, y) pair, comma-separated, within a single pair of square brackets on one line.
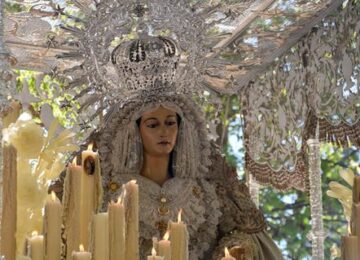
[(120, 144)]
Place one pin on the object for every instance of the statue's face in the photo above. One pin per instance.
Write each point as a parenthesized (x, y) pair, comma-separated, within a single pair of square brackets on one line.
[(158, 130)]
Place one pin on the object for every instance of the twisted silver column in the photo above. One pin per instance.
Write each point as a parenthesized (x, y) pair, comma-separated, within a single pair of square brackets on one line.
[(317, 234)]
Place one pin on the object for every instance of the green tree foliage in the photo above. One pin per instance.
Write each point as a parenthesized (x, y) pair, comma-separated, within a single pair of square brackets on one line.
[(48, 91)]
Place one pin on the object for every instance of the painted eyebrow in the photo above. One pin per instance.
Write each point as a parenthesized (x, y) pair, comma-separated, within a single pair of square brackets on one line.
[(150, 118), (154, 118)]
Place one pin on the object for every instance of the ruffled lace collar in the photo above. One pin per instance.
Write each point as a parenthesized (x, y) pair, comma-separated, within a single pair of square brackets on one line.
[(160, 204)]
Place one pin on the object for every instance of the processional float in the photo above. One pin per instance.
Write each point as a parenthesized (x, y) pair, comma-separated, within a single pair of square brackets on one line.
[(312, 85)]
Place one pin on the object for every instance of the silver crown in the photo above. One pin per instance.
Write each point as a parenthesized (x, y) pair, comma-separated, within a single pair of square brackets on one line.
[(149, 62)]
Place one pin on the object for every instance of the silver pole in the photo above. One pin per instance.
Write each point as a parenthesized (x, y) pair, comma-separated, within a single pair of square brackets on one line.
[(317, 234)]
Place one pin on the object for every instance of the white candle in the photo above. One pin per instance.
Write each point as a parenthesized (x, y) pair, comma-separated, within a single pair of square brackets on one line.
[(227, 255), (164, 247), (179, 240), (90, 164), (52, 227), (72, 213), (101, 236), (81, 255), (117, 229), (153, 256), (132, 230), (36, 243), (349, 247)]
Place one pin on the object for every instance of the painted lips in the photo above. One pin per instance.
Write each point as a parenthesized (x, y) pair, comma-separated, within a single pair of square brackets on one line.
[(164, 143)]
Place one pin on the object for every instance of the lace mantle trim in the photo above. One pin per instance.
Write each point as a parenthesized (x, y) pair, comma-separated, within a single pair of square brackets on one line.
[(159, 205), (342, 135)]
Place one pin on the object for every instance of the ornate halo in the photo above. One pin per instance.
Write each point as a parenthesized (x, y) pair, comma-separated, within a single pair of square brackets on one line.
[(128, 46)]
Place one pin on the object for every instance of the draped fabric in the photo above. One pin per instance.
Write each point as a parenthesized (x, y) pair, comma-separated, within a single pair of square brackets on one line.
[(317, 80)]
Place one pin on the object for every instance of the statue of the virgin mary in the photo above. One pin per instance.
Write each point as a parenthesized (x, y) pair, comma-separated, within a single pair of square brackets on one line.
[(158, 136)]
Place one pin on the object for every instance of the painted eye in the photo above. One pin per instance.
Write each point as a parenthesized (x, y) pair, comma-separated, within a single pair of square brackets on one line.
[(152, 125)]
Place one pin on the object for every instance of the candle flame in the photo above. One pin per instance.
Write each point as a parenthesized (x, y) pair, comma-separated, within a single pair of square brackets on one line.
[(123, 192), (74, 161), (120, 200), (34, 233), (227, 252), (179, 215), (90, 146), (153, 252), (81, 248), (167, 235), (133, 181), (53, 196)]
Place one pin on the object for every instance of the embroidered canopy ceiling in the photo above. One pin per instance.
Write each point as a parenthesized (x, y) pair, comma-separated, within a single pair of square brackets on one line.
[(294, 64)]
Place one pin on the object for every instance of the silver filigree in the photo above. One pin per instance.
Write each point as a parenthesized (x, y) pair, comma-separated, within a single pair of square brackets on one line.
[(320, 75), (317, 234)]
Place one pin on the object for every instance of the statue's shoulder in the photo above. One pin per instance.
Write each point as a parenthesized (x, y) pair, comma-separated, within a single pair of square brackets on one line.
[(239, 211)]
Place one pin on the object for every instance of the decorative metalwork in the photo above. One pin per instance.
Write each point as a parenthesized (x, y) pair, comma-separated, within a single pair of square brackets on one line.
[(319, 76), (317, 234), (158, 55)]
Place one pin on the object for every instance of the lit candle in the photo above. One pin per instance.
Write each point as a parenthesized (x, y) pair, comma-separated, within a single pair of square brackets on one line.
[(165, 247), (227, 255), (81, 255), (117, 229), (91, 191), (36, 243), (101, 236), (132, 230), (72, 205), (153, 256), (52, 227), (349, 247), (179, 240)]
